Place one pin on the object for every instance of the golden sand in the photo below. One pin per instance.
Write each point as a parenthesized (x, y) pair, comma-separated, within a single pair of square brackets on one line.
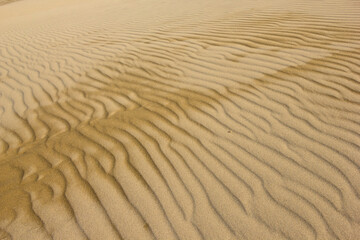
[(192, 119)]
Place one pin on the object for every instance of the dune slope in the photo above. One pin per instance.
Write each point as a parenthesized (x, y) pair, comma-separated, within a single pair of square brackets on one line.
[(180, 119)]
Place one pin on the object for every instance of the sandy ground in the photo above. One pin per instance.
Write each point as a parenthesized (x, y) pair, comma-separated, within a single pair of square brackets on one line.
[(191, 119)]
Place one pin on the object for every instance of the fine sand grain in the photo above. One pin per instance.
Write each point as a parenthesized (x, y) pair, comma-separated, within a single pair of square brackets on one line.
[(186, 119)]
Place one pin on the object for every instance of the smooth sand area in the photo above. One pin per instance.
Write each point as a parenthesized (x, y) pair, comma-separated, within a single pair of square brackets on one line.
[(180, 119)]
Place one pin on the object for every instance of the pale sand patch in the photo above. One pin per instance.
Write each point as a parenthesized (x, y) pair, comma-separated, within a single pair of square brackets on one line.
[(164, 119)]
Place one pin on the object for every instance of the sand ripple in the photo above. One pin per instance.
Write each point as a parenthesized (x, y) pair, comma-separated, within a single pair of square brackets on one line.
[(181, 120)]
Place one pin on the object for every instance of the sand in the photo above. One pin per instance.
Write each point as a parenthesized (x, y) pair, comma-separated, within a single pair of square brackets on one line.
[(191, 119)]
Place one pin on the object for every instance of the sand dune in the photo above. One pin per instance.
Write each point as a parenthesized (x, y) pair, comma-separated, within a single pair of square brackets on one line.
[(180, 119)]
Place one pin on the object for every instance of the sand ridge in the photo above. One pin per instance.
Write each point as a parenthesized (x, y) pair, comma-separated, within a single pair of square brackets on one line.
[(3, 2), (180, 120)]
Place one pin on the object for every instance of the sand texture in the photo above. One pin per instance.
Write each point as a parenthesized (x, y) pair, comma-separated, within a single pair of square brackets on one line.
[(180, 119)]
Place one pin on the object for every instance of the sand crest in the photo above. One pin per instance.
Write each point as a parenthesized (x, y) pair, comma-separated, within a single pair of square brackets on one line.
[(164, 119)]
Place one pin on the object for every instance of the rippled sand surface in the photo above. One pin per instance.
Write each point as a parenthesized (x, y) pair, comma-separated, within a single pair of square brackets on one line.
[(192, 119)]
